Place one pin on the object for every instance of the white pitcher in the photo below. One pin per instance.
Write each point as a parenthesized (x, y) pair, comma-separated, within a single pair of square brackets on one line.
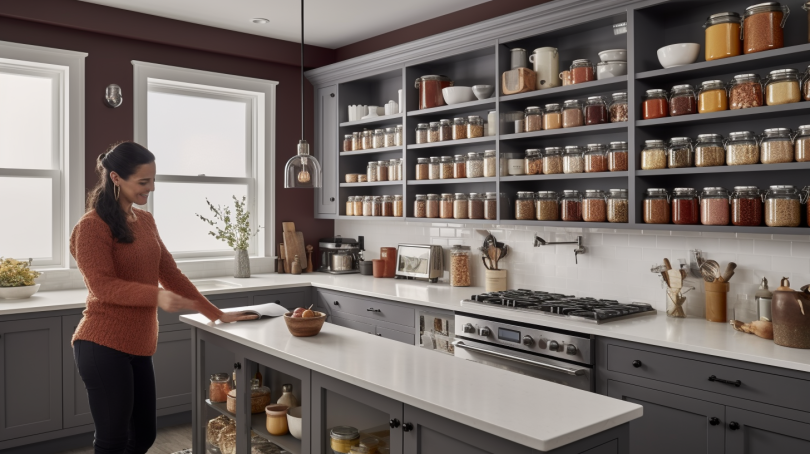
[(546, 62)]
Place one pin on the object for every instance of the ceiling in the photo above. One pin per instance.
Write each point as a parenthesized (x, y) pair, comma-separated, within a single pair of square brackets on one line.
[(329, 23)]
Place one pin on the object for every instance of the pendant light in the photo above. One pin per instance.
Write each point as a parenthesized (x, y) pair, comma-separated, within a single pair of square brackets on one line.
[(302, 170)]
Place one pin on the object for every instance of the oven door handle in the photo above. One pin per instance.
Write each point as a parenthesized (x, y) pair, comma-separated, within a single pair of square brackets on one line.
[(551, 367)]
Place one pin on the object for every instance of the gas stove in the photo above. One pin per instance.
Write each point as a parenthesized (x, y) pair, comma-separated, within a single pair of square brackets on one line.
[(559, 305)]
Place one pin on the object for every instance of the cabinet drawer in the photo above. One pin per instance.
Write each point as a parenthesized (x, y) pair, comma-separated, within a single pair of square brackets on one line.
[(290, 300), (406, 338), (351, 324), (168, 318), (372, 308), (757, 386)]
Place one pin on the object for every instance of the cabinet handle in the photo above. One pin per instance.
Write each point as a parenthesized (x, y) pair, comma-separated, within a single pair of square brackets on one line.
[(331, 199), (394, 423), (336, 303), (371, 309), (407, 427), (736, 383), (237, 365), (379, 334), (636, 363), (733, 425), (331, 95), (714, 421)]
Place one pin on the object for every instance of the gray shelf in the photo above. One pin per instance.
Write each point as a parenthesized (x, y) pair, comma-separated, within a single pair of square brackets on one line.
[(579, 130), (727, 228), (452, 181), (568, 224), (471, 106), (392, 119), (372, 151), (368, 218), (725, 116), (454, 221), (257, 423), (451, 143), (578, 90), (373, 183), (564, 176), (726, 169)]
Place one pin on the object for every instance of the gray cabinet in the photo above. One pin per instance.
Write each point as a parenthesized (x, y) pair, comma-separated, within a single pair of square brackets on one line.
[(30, 377), (326, 150), (76, 406), (383, 318), (172, 362), (757, 433)]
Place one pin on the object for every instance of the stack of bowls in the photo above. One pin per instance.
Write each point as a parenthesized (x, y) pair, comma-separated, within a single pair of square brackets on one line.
[(613, 63)]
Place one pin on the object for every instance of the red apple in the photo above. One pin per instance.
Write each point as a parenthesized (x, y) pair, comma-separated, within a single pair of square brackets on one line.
[(298, 310), (296, 315)]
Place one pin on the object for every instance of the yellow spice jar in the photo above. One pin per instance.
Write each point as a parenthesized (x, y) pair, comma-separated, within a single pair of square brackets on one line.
[(723, 36), (343, 438), (712, 97)]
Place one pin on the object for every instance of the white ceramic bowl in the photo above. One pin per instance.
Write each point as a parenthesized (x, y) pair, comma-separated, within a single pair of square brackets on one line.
[(483, 91), (678, 54), (456, 95), (294, 421), (18, 293), (608, 69), (613, 55)]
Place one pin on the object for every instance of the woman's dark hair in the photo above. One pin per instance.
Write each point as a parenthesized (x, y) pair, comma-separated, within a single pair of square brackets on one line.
[(122, 158)]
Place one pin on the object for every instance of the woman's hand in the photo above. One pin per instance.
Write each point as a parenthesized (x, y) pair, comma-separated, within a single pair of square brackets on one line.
[(229, 317), (172, 302)]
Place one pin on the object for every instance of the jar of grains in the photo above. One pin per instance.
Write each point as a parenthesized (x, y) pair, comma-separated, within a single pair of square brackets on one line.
[(806, 77), (680, 153), (398, 206), (571, 205), (357, 141), (709, 150), (745, 91), (347, 142), (371, 171), (782, 87), (446, 206), (475, 165), (524, 206), (656, 206), (460, 206), (654, 155), (617, 156), (379, 138), (594, 206), (552, 117), (368, 205), (420, 206), (617, 206), (434, 168), (776, 146), (446, 165), (782, 206), (803, 144), (596, 158), (546, 206), (475, 127), (491, 206), (762, 27), (445, 130), (432, 206), (433, 132), (460, 275), (746, 206), (358, 205), (656, 104), (422, 168), (618, 107), (392, 169), (382, 170), (368, 139), (376, 208), (682, 101), (742, 148), (582, 71), (552, 160), (714, 206), (422, 132), (533, 121), (459, 166), (723, 36), (388, 206), (573, 160), (712, 96), (572, 115), (685, 210), (390, 137), (489, 163), (533, 162), (514, 163), (343, 438), (398, 136), (596, 111), (475, 206), (350, 206), (459, 128)]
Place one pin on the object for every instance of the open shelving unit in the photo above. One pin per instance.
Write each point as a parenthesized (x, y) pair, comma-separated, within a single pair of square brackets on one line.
[(257, 424)]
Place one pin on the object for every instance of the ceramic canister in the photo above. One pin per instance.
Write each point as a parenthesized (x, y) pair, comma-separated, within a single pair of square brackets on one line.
[(546, 62), (518, 59)]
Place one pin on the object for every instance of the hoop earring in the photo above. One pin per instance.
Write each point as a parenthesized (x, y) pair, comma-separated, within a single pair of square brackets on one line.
[(117, 191)]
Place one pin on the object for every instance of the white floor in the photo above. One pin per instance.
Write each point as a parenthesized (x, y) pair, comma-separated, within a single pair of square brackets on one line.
[(169, 440)]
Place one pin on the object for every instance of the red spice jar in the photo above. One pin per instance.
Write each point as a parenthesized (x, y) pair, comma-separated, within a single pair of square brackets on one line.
[(596, 158), (617, 156), (430, 90), (682, 101), (582, 71), (596, 111), (571, 206), (656, 104), (656, 209), (714, 206), (762, 27), (219, 388), (746, 206), (685, 209)]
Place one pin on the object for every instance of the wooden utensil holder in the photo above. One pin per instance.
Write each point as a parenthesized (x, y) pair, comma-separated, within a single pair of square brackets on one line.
[(716, 298), (495, 280)]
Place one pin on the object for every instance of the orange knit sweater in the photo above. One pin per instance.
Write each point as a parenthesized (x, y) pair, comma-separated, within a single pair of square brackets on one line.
[(122, 280)]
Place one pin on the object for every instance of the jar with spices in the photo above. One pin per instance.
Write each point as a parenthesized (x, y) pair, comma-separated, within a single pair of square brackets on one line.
[(433, 132), (357, 141), (491, 206), (782, 87), (552, 117), (392, 169), (514, 163), (572, 115), (376, 207), (573, 160), (460, 208), (446, 167), (712, 96), (783, 206), (618, 107), (552, 160), (596, 111), (398, 136), (432, 205), (387, 206), (746, 206), (714, 206), (533, 120), (617, 206), (422, 168), (382, 170), (680, 153), (446, 206), (368, 139), (475, 165), (617, 156), (656, 104), (475, 127), (596, 158), (533, 163), (420, 206), (434, 168), (682, 100), (489, 163), (459, 166), (709, 151), (347, 142), (460, 275), (379, 138), (390, 137), (475, 206), (803, 144), (723, 36), (656, 206), (582, 71), (742, 148), (654, 155), (459, 128), (400, 167), (422, 132), (343, 438), (547, 206), (358, 205), (398, 206), (524, 206), (219, 387), (777, 146), (745, 91), (445, 130), (685, 206), (571, 206), (371, 171), (762, 27), (594, 206)]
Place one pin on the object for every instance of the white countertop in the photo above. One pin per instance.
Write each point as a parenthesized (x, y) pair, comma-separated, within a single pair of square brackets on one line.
[(690, 334), (447, 386)]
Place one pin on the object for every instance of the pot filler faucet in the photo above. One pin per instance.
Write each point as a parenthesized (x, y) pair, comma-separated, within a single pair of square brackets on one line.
[(580, 249)]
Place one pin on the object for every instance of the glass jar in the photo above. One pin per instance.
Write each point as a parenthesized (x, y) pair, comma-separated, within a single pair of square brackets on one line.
[(460, 275), (350, 206), (618, 207), (618, 107), (806, 77), (422, 132), (782, 87), (656, 104), (400, 167), (347, 142), (514, 163), (368, 139), (392, 169), (594, 206), (434, 168), (387, 206), (762, 27), (379, 138), (533, 163), (617, 156), (432, 206), (489, 163), (343, 438), (445, 130), (742, 148), (682, 101), (596, 158), (259, 398), (524, 206), (420, 206), (475, 206), (654, 155), (377, 207), (782, 206), (390, 137), (571, 206), (714, 206), (459, 128), (357, 141), (746, 206), (745, 91), (433, 132), (656, 206), (685, 206), (596, 111), (475, 165), (371, 171), (358, 205), (491, 206), (712, 96), (552, 117), (370, 444), (422, 168), (446, 165), (533, 121), (680, 153), (398, 136), (475, 127), (723, 36), (552, 160), (446, 206), (573, 160), (460, 166), (398, 208), (460, 208), (802, 144), (219, 387), (582, 71), (709, 151), (572, 115), (777, 146), (546, 206), (382, 170)]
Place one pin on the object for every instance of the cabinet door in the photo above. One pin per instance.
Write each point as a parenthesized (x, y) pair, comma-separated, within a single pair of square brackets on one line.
[(326, 149), (30, 377), (407, 338), (672, 424), (76, 411), (172, 362), (756, 433), (359, 326)]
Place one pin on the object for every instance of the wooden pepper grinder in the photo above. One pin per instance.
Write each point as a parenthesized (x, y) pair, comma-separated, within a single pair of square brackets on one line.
[(295, 266), (310, 266)]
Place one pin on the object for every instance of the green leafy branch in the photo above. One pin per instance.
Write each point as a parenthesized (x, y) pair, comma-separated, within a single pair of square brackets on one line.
[(237, 232)]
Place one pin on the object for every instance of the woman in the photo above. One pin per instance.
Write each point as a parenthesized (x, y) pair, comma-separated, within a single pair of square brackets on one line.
[(122, 259)]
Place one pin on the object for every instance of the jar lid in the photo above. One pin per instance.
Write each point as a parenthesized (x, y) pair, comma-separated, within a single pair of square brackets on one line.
[(446, 194), (709, 137), (745, 188), (682, 87), (382, 163), (679, 139), (782, 187), (683, 190), (434, 77), (525, 194), (418, 197), (714, 189), (532, 109), (372, 163), (489, 152), (219, 377), (461, 195), (711, 84), (422, 160), (656, 92), (433, 196), (391, 129), (581, 62), (385, 198), (745, 77), (804, 127), (783, 72), (740, 134), (473, 117), (620, 145), (553, 150), (546, 194), (344, 433), (518, 49), (474, 195), (619, 95), (434, 159), (596, 146), (447, 158), (458, 119), (655, 191), (440, 122), (461, 247), (349, 136), (378, 131), (473, 154), (553, 106), (572, 102), (492, 195), (594, 192), (434, 124), (762, 7), (399, 126), (398, 197), (654, 142), (570, 192), (777, 131), (573, 149), (618, 191), (722, 18), (595, 98), (422, 125), (532, 152)]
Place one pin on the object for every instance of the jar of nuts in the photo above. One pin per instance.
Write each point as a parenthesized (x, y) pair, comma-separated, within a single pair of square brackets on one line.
[(475, 165), (552, 160), (533, 120), (802, 144), (782, 87), (460, 275), (654, 155), (459, 128), (594, 206), (746, 206), (617, 156), (571, 205), (573, 160), (680, 153), (547, 206), (524, 206), (491, 206), (379, 138), (475, 206), (446, 165), (422, 132), (618, 107), (460, 206), (371, 171), (596, 158), (742, 148), (475, 127), (777, 146), (420, 206), (532, 162), (656, 206), (617, 205), (368, 139), (445, 130), (390, 137), (446, 206), (709, 150), (783, 206), (745, 91), (552, 117), (433, 132), (572, 115), (489, 163)]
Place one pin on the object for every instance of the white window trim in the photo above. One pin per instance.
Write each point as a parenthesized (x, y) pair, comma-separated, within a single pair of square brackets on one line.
[(264, 124), (69, 181)]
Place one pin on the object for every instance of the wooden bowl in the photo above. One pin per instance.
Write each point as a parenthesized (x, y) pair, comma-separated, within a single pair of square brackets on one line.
[(305, 327)]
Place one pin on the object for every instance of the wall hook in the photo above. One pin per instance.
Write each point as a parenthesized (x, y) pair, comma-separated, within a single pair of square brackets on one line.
[(113, 96)]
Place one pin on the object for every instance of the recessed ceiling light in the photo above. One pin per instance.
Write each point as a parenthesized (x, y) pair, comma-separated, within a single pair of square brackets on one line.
[(259, 20)]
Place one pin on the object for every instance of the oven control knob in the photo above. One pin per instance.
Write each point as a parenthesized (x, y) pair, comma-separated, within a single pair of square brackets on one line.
[(484, 332), (553, 346), (571, 349), (528, 341), (468, 328)]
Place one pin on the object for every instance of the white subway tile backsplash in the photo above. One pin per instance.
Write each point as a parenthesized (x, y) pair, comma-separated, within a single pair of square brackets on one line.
[(797, 265), (771, 247), (800, 249)]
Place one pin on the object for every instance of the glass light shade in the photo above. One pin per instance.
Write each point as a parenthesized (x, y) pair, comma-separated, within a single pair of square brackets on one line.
[(302, 170)]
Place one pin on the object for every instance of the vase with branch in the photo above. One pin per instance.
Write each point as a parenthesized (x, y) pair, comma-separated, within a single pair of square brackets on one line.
[(233, 229)]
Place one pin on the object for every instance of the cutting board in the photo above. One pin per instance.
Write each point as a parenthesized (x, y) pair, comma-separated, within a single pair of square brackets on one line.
[(288, 227), (294, 245), (518, 80)]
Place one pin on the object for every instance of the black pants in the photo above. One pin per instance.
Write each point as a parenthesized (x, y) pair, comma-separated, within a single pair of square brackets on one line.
[(121, 389)]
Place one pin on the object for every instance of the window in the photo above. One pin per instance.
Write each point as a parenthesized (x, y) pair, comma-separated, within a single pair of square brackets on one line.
[(212, 138)]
